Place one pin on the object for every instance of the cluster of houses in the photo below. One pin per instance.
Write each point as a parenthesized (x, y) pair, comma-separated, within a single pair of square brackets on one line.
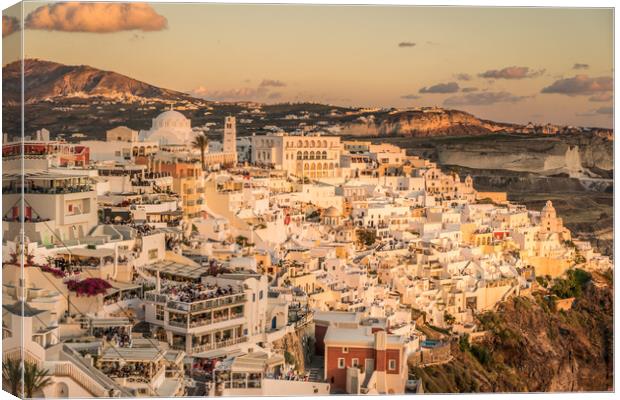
[(276, 265)]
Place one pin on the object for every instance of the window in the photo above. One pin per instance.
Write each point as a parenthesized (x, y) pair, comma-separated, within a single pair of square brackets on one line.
[(159, 312), (345, 350), (392, 365), (260, 295), (117, 153), (152, 254), (355, 362), (341, 363)]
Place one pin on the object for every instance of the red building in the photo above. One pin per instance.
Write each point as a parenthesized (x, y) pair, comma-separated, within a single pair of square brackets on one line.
[(66, 154), (358, 360), (325, 319)]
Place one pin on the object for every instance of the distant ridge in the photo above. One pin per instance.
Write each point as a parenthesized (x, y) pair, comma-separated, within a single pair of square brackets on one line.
[(70, 86), (46, 80)]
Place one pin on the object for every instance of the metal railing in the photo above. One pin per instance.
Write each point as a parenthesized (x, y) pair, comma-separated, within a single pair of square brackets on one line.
[(219, 345), (207, 304)]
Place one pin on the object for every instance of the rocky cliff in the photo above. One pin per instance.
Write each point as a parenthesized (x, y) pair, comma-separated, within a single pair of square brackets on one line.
[(291, 344), (532, 347), (423, 122), (547, 156)]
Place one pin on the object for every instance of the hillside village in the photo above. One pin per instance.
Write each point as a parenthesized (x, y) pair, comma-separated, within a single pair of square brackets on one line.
[(162, 262)]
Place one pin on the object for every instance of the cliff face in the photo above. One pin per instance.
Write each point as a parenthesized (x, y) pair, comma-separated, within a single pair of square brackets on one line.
[(533, 347), (595, 152), (575, 157), (291, 343), (436, 122)]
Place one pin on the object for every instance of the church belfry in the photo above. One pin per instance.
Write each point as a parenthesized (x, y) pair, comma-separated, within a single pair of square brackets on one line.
[(230, 135)]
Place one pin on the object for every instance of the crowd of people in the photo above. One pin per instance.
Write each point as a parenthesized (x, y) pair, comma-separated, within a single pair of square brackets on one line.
[(291, 375), (116, 335), (139, 371), (192, 292), (76, 263)]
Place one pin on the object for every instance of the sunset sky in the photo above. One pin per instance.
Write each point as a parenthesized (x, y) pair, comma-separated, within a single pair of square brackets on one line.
[(506, 64)]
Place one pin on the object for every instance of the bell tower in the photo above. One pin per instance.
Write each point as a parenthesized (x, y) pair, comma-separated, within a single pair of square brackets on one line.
[(230, 135)]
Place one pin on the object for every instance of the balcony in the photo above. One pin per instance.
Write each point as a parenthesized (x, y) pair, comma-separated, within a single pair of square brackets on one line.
[(155, 297), (209, 321), (180, 324), (47, 190), (219, 345), (206, 304)]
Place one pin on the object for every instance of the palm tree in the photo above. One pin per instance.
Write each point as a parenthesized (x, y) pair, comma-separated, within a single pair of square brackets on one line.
[(201, 142), (12, 375), (35, 379)]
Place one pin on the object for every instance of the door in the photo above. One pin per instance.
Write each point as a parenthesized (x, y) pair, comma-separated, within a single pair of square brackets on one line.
[(369, 366)]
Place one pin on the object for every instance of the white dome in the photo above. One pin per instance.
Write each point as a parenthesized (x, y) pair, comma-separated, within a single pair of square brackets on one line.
[(171, 119), (170, 115), (170, 127)]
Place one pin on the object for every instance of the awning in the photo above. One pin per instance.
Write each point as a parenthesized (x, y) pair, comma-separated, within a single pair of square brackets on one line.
[(217, 353), (109, 322)]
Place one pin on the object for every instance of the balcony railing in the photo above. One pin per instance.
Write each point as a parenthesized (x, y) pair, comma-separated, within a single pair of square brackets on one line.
[(47, 190), (155, 297), (219, 345), (208, 321), (82, 377), (207, 304), (182, 324)]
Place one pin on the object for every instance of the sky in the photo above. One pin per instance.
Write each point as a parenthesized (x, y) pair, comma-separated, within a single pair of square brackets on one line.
[(506, 64)]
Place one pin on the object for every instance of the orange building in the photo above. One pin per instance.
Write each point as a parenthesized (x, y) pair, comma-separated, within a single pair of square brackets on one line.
[(187, 179)]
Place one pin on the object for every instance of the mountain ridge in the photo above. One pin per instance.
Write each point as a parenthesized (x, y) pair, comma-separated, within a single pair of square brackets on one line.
[(47, 79), (71, 87)]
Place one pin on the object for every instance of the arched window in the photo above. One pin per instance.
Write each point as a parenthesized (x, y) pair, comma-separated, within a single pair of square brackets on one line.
[(299, 155), (305, 155), (312, 155), (324, 155)]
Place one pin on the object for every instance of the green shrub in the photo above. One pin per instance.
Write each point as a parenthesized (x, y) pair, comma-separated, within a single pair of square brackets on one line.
[(482, 354), (464, 342), (572, 285), (289, 358)]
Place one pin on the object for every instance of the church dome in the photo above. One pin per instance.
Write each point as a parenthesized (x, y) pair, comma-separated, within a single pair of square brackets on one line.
[(171, 119), (548, 210), (548, 206), (169, 128)]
